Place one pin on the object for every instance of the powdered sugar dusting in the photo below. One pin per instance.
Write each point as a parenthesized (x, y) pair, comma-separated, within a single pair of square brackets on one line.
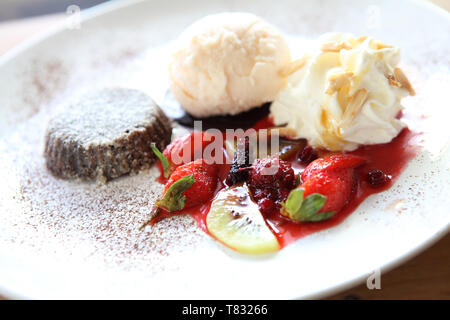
[(103, 219)]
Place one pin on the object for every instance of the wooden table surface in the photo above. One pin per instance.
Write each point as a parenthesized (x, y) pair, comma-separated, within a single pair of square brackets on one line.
[(426, 276)]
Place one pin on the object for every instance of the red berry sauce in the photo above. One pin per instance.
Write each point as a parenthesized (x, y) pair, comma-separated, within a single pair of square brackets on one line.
[(390, 159)]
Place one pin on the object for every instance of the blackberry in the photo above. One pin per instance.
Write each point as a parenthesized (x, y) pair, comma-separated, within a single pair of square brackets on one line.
[(377, 178), (272, 173), (268, 188), (266, 206), (307, 155)]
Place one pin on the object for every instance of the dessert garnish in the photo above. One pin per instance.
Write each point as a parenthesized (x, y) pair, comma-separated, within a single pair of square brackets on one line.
[(377, 178), (106, 134), (300, 209), (347, 94), (184, 150), (308, 155), (240, 168), (332, 177), (174, 199), (189, 185), (271, 179), (235, 220), (255, 211), (164, 161)]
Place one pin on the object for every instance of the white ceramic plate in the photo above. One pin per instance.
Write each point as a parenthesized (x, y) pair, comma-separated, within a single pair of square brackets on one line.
[(66, 240)]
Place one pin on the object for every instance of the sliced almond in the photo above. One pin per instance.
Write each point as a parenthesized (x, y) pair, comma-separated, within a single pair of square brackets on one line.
[(401, 77), (338, 80), (328, 122), (330, 135), (293, 66), (343, 96), (325, 120), (393, 81), (380, 45), (361, 39), (355, 42), (354, 106), (335, 46)]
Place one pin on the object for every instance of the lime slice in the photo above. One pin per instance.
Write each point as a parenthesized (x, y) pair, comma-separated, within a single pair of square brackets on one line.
[(235, 220)]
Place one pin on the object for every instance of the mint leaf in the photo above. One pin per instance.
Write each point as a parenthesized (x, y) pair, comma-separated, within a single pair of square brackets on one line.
[(321, 216), (163, 159), (293, 204), (311, 204), (173, 199), (305, 210)]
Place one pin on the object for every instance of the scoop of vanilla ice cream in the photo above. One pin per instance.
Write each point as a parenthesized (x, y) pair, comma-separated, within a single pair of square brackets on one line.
[(227, 63), (346, 94)]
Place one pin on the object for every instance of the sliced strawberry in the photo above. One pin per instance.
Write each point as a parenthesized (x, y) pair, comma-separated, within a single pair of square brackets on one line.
[(187, 148), (332, 177), (333, 162), (198, 192), (336, 186)]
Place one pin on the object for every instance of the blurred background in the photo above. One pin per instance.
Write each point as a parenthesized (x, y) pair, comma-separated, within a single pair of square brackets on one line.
[(15, 9)]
